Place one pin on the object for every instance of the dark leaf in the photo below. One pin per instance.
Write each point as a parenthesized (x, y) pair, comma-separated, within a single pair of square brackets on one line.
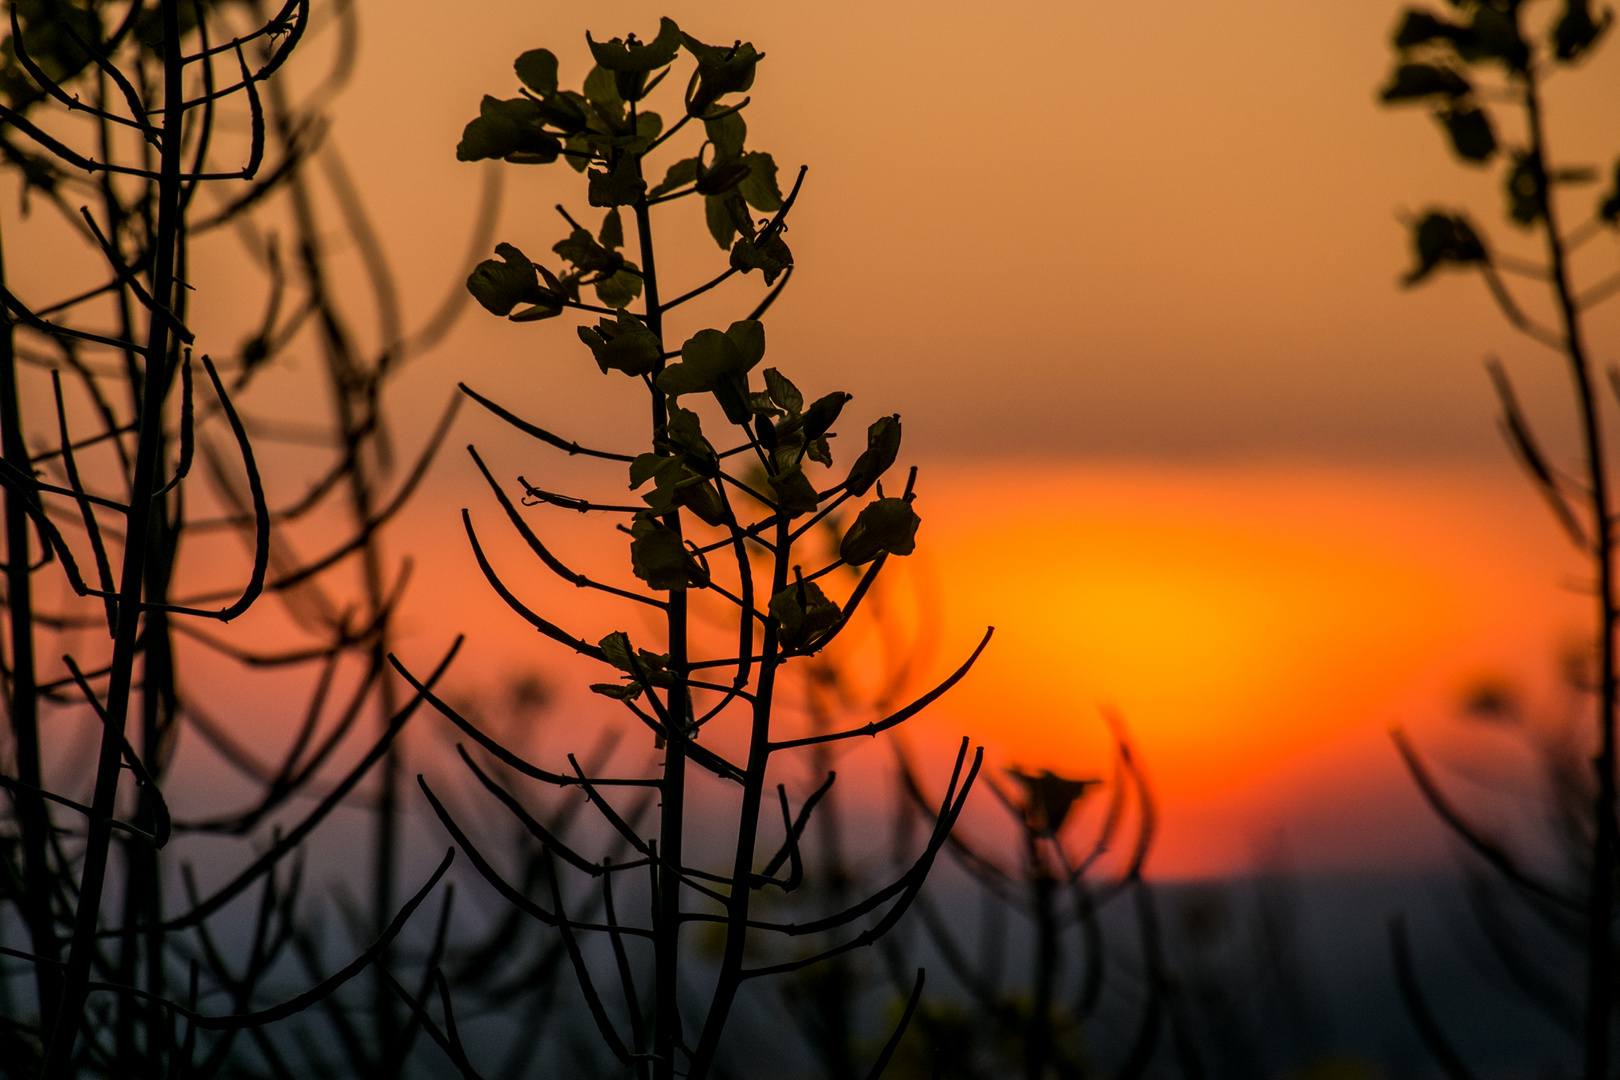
[(749, 337), (794, 492), (565, 110), (684, 171), (620, 186), (537, 68), (1470, 131), (783, 392), (620, 288), (623, 345), (1412, 81), (727, 133), (770, 258), (709, 357), (721, 71), (727, 176), (759, 189), (887, 526), (722, 213), (1576, 31), (882, 447), (659, 557), (1439, 239), (823, 413), (1494, 35), (602, 91), (618, 691), (630, 55), (804, 612), (612, 233), (579, 148), (512, 130), (500, 285), (587, 255)]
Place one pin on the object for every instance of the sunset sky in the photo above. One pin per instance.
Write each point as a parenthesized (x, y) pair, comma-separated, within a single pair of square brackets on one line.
[(1129, 273)]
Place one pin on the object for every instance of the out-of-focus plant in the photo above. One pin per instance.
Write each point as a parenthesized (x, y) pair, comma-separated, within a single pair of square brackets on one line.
[(152, 83), (1474, 66), (1038, 1017), (723, 519)]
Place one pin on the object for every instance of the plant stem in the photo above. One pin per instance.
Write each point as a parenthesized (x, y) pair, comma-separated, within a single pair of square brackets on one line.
[(671, 831), (1599, 951), (22, 701), (59, 1053)]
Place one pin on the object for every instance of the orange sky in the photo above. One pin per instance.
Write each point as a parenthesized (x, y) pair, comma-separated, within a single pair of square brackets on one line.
[(1129, 274)]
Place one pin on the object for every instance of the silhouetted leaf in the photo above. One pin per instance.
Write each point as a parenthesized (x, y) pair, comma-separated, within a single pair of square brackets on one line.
[(771, 258), (723, 178), (511, 130), (1494, 35), (759, 189), (612, 232), (793, 491), (579, 149), (623, 345), (620, 288), (537, 68), (885, 526), (721, 213), (1470, 131), (728, 133), (749, 337), (1412, 81), (602, 90), (783, 392), (630, 55), (1576, 31), (823, 413), (1439, 239), (882, 447), (658, 556), (721, 71), (804, 613), (683, 434), (502, 284), (705, 358), (620, 186), (587, 254), (628, 691), (565, 110), (709, 357), (683, 172)]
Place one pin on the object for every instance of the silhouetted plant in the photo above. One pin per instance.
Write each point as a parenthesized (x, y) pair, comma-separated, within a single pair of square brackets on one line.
[(152, 110), (1471, 65), (707, 529), (1039, 1021)]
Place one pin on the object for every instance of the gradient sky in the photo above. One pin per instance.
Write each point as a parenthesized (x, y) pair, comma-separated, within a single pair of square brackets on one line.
[(1129, 273)]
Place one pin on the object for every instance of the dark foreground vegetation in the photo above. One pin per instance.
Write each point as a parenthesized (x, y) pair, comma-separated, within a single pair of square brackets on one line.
[(688, 892)]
